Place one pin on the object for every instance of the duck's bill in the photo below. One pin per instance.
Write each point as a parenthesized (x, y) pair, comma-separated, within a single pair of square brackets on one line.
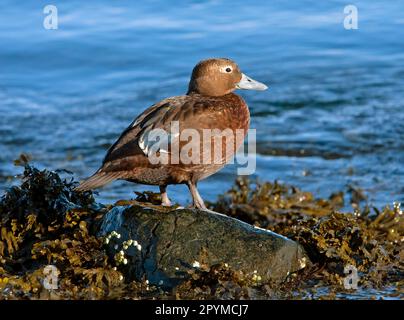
[(250, 84)]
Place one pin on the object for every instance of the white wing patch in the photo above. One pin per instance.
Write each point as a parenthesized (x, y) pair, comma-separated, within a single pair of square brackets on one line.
[(155, 140)]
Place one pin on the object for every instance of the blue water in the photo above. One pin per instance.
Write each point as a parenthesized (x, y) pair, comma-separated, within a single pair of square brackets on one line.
[(333, 115)]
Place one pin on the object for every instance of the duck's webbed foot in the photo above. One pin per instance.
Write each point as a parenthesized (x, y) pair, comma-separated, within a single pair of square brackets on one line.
[(165, 201), (196, 197)]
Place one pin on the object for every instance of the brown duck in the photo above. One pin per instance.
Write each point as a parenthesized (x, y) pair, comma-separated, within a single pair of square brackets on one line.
[(209, 106)]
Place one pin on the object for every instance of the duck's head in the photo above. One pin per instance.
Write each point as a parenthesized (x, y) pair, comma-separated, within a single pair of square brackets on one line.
[(217, 77)]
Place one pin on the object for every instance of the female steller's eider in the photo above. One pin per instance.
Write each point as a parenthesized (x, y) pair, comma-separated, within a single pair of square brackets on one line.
[(209, 104)]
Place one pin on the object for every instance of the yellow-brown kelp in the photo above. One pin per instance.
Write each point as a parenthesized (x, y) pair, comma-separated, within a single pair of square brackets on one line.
[(44, 221), (369, 240)]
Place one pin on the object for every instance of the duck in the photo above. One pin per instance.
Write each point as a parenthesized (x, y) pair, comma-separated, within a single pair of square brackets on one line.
[(210, 105)]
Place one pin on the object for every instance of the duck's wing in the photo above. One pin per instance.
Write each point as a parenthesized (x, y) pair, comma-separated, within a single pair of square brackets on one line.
[(126, 153), (136, 141)]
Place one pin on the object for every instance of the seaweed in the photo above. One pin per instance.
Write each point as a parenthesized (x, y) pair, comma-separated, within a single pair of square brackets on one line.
[(368, 239), (45, 222)]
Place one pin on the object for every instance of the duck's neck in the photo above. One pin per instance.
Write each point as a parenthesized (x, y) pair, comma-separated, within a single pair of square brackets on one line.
[(208, 89)]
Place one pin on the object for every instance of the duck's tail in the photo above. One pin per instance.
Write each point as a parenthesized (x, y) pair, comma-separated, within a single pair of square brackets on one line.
[(97, 180)]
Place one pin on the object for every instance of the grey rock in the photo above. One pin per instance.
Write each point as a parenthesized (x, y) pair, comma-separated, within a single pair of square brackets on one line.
[(165, 245)]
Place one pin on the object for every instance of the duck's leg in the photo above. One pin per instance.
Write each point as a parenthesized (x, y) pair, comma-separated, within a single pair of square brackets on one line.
[(196, 197), (165, 201)]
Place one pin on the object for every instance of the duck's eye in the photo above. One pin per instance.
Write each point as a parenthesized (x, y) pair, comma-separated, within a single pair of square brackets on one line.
[(228, 69)]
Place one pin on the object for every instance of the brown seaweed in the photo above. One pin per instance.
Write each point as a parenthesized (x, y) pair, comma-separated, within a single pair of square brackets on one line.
[(43, 221), (369, 240)]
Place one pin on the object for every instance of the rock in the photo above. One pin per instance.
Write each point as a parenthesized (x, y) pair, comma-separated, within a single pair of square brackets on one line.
[(162, 246)]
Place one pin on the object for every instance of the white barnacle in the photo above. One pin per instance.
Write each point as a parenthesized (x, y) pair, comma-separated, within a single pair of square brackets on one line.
[(139, 247), (161, 282), (125, 261), (176, 268), (196, 264), (116, 247), (119, 257), (302, 262), (256, 277)]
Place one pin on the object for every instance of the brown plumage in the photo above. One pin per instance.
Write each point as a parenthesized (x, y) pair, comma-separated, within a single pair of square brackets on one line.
[(208, 104)]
